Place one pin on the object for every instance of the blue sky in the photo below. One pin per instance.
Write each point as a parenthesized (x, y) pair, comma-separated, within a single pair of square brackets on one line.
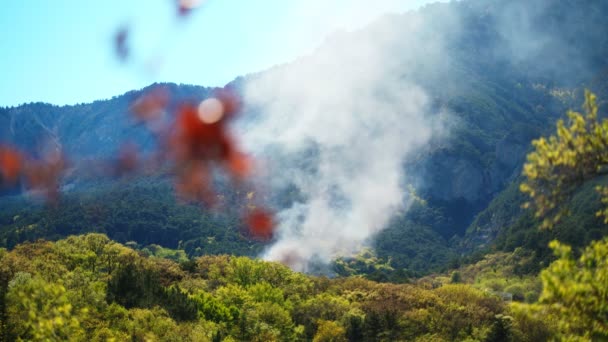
[(62, 52)]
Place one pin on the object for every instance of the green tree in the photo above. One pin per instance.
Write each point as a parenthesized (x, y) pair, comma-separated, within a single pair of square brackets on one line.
[(89, 288), (456, 277), (574, 301), (41, 311), (134, 286), (501, 329), (579, 289), (330, 331), (179, 305), (560, 164)]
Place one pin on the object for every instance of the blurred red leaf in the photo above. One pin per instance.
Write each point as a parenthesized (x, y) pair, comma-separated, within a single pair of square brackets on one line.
[(196, 140), (193, 183), (120, 43), (239, 164), (11, 164), (261, 224), (185, 7), (150, 106), (43, 175), (127, 160)]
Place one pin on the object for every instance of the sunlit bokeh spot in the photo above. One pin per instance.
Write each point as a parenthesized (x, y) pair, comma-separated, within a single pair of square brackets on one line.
[(190, 4), (210, 111), (185, 6)]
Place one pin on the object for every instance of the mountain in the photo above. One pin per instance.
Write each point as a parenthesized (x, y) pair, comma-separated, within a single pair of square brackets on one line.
[(496, 74), (84, 130)]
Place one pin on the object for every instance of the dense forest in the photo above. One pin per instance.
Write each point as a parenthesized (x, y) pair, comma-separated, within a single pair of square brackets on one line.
[(88, 287)]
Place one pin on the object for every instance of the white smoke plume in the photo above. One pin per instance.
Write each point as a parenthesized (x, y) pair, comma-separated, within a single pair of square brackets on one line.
[(353, 110)]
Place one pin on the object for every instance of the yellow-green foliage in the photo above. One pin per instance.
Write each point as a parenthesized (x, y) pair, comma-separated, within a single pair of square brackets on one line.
[(90, 288), (330, 331), (561, 163), (496, 273), (41, 311), (364, 262), (574, 301), (178, 255), (575, 292)]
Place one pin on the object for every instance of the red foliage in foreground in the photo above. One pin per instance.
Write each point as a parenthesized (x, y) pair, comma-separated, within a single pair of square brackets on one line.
[(151, 105), (41, 176), (193, 183), (199, 139), (193, 144), (10, 164), (261, 224), (127, 161), (196, 141)]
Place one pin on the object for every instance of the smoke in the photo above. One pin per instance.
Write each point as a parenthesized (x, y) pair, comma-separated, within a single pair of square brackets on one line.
[(338, 126)]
